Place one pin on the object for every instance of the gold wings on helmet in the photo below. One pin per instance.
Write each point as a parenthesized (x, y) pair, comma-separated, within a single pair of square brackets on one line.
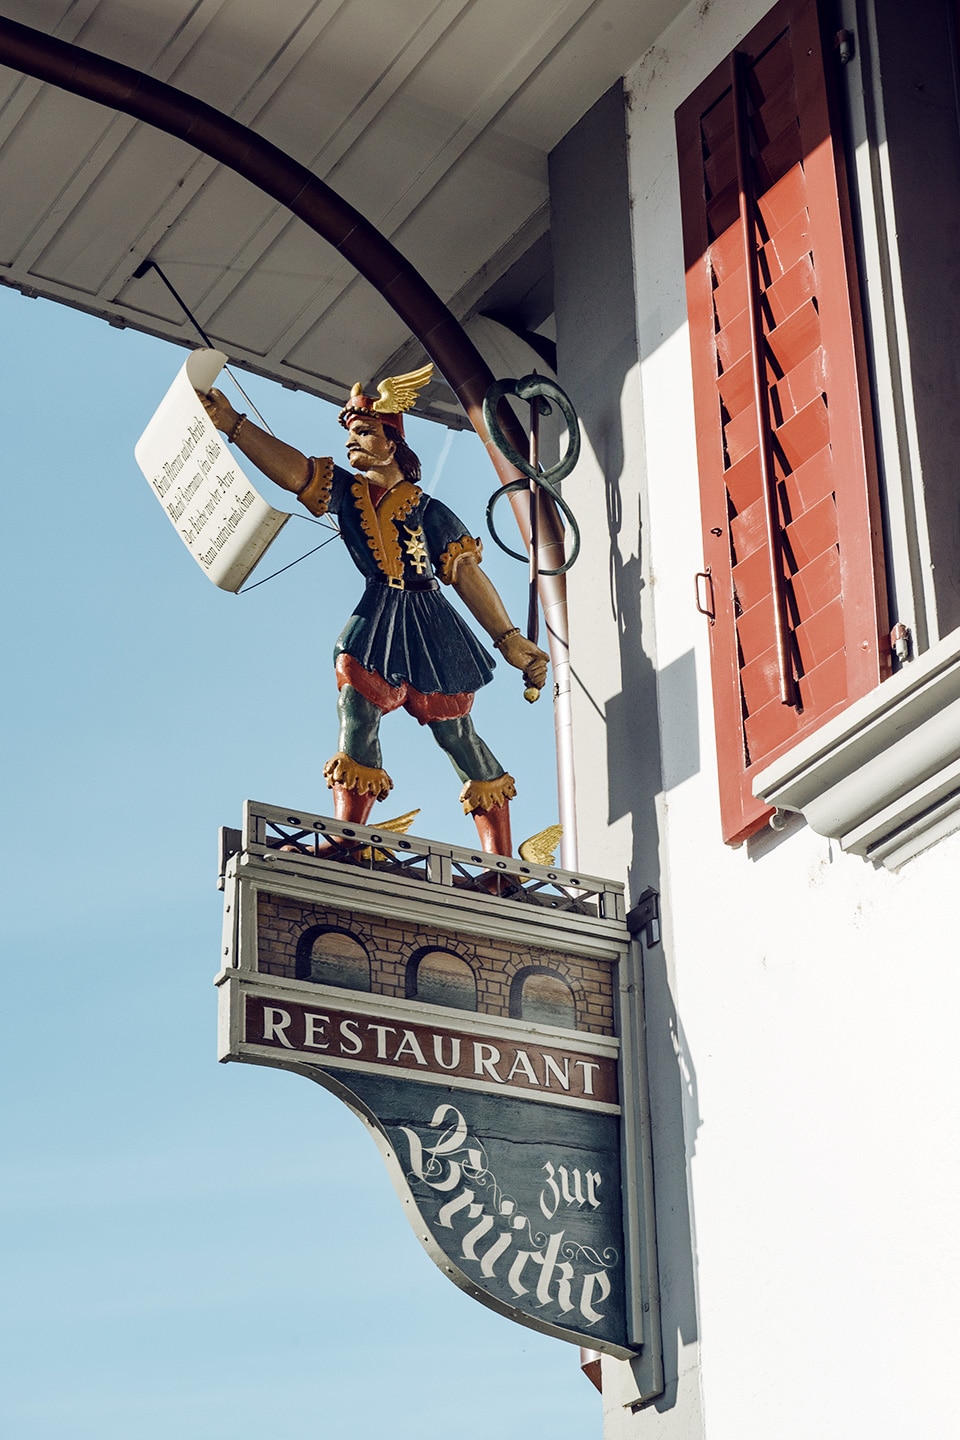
[(399, 392)]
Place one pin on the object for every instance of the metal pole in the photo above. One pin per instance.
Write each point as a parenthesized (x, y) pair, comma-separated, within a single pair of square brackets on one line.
[(533, 607)]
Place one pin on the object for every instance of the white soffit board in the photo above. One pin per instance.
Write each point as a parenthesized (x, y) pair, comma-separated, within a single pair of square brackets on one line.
[(433, 117)]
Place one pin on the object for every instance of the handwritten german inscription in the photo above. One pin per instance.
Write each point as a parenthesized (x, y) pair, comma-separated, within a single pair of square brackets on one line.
[(523, 1199), (218, 514)]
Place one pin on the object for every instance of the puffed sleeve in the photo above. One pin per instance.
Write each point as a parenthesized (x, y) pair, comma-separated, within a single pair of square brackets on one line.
[(448, 540), (324, 489)]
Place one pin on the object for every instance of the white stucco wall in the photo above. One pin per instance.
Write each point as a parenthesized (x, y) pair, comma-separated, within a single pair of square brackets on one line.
[(815, 997)]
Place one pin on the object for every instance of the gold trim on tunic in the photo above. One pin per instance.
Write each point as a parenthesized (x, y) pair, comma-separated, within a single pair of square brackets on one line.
[(378, 521)]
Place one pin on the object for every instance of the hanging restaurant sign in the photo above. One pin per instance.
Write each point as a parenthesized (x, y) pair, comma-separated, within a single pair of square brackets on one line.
[(469, 1019)]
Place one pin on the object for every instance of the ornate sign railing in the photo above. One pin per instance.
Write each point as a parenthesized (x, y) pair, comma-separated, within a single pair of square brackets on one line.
[(289, 836)]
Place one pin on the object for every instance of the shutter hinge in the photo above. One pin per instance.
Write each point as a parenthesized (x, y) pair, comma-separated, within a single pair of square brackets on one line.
[(843, 43), (900, 639)]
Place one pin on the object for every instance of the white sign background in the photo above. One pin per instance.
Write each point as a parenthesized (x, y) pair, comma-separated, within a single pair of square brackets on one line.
[(218, 514)]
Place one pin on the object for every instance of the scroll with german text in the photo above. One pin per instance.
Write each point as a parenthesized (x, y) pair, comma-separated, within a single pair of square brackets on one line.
[(218, 514)]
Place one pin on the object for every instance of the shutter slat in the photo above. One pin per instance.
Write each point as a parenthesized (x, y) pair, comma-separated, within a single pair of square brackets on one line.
[(816, 584), (784, 201), (748, 531), (720, 168), (740, 435), (789, 291), (736, 387), (751, 579), (733, 341), (817, 637), (825, 688), (722, 210), (772, 99), (797, 389), (804, 433), (790, 243), (796, 338), (779, 156), (760, 680), (743, 482), (807, 485), (815, 531), (773, 727), (726, 257), (716, 122), (756, 627)]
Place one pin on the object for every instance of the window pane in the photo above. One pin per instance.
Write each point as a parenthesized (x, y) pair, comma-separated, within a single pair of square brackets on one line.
[(445, 979), (336, 958), (548, 1000)]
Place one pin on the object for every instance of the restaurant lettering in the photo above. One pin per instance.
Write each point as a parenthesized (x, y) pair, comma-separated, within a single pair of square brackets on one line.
[(330, 1033)]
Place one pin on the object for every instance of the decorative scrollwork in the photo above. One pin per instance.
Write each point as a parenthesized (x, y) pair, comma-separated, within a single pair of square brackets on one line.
[(571, 1251)]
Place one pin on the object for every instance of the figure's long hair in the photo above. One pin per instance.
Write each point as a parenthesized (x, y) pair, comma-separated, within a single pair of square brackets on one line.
[(404, 456)]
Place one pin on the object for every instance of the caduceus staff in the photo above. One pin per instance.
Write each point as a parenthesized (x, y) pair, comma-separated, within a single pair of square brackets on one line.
[(538, 391)]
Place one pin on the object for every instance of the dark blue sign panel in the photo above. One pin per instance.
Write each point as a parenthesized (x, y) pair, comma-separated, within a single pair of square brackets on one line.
[(521, 1200)]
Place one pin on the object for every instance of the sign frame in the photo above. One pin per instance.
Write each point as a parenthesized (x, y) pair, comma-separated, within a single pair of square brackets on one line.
[(255, 869)]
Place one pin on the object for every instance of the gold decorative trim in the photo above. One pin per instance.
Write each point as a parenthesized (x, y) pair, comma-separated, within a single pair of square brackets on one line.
[(315, 495), (465, 549), (362, 779), (486, 794), (416, 549), (378, 521)]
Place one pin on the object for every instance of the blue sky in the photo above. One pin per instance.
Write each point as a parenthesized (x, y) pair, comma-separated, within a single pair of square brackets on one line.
[(189, 1248)]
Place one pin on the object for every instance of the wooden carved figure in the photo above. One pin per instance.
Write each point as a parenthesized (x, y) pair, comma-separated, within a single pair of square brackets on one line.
[(404, 646)]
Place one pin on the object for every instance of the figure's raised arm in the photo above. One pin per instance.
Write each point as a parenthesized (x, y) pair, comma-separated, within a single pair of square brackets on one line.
[(280, 462)]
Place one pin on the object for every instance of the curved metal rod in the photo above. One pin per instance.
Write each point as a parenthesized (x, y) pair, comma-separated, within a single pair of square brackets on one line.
[(120, 87), (275, 173)]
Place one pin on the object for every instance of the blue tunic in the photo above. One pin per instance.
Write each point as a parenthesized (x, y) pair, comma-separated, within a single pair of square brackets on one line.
[(411, 635)]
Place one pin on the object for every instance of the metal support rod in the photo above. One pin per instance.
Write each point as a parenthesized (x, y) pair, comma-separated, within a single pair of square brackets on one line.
[(130, 91), (147, 265), (761, 398), (533, 607)]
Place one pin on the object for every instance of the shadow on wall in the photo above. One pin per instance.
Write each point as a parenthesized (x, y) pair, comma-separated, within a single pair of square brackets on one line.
[(597, 348), (638, 771)]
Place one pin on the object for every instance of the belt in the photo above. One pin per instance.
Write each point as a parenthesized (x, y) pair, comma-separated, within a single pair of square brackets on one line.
[(413, 583)]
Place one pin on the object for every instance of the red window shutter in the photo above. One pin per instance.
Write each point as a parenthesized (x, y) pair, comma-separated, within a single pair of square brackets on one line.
[(788, 496)]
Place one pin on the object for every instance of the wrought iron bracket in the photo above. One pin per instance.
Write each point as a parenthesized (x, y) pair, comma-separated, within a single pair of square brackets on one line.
[(645, 917), (230, 843)]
